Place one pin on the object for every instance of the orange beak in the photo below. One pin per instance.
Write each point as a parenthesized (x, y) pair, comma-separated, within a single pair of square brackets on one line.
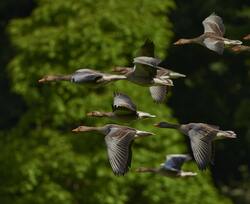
[(76, 130), (42, 80)]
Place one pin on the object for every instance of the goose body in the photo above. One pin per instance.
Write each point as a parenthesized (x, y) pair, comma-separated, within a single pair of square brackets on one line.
[(201, 136), (87, 76), (171, 167), (158, 88), (158, 92), (123, 109), (161, 72), (212, 38), (144, 72), (118, 141)]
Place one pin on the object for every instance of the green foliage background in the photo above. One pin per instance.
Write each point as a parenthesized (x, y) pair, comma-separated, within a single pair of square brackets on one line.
[(41, 161)]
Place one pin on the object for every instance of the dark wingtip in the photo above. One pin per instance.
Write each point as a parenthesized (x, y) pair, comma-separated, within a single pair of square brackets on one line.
[(120, 173), (202, 166), (117, 93)]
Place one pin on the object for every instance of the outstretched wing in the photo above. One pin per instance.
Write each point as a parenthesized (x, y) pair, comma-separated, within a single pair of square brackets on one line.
[(158, 93), (201, 144), (145, 67), (214, 24), (147, 49), (123, 104), (174, 162), (215, 45), (119, 142)]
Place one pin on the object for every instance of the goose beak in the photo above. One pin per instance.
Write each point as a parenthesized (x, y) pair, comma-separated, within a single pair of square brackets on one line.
[(83, 129), (157, 124), (178, 42), (42, 80), (78, 129), (247, 37), (89, 114)]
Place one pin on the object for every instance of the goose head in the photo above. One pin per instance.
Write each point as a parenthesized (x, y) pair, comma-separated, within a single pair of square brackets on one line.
[(166, 125), (182, 41), (84, 129), (47, 78)]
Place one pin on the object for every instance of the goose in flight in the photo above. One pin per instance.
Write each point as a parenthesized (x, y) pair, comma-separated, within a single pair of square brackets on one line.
[(123, 108), (171, 167), (212, 38), (118, 141), (158, 92), (144, 72), (201, 136), (87, 76)]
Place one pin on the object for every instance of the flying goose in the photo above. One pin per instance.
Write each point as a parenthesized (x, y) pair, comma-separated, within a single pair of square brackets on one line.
[(212, 38), (158, 92), (123, 108), (171, 167), (88, 76), (144, 72), (118, 140), (161, 72), (201, 136)]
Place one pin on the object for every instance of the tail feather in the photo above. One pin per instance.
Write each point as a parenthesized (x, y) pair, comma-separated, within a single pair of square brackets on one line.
[(232, 42), (175, 75), (187, 174), (140, 133), (228, 133)]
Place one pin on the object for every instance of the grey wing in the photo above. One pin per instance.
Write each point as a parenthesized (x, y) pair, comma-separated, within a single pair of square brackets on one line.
[(163, 72), (214, 24), (209, 126), (145, 67), (123, 103), (147, 49), (212, 154), (85, 75), (158, 93), (175, 161), (215, 45), (150, 61), (118, 143), (201, 144)]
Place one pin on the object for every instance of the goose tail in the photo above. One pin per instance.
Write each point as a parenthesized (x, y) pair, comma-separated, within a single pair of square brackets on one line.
[(232, 42), (228, 134)]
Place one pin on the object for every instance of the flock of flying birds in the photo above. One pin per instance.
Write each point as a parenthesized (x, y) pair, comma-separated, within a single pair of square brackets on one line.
[(150, 72)]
